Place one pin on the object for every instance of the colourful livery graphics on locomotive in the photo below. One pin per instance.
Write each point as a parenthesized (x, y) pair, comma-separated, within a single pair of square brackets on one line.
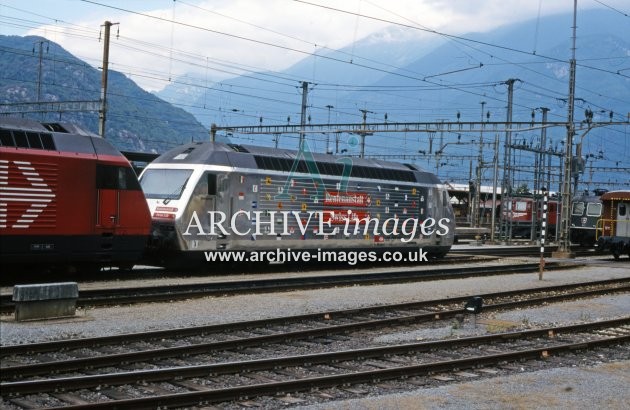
[(68, 199), (224, 197), (613, 228)]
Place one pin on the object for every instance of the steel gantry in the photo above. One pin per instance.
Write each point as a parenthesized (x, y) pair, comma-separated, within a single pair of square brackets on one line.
[(365, 129)]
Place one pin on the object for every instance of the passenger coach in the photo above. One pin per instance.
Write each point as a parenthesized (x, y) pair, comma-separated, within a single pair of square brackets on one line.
[(189, 187)]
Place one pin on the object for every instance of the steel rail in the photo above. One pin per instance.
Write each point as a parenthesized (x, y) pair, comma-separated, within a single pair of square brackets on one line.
[(518, 251), (177, 373), (60, 345), (283, 387), (105, 297), (39, 369)]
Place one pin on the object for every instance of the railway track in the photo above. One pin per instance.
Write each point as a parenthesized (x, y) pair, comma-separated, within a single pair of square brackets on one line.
[(233, 344), (290, 374), (532, 251), (141, 272), (129, 295)]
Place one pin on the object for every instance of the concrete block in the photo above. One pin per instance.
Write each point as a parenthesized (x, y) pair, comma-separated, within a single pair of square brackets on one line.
[(45, 301)]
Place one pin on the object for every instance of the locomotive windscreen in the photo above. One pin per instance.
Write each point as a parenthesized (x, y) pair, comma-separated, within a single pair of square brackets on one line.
[(164, 183), (594, 209)]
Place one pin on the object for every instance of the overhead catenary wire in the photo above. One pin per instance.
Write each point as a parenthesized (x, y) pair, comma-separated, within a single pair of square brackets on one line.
[(392, 109)]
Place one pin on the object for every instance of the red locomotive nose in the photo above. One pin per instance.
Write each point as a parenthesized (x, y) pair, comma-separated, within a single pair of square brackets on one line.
[(70, 201)]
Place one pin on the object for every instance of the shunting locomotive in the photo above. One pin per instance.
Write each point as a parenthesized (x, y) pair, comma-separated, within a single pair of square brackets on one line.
[(518, 212), (586, 209)]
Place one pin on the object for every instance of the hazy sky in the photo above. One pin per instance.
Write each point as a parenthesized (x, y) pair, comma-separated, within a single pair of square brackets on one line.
[(252, 35)]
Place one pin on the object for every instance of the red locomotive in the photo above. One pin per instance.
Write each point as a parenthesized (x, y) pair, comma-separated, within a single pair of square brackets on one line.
[(68, 199), (517, 212), (613, 228)]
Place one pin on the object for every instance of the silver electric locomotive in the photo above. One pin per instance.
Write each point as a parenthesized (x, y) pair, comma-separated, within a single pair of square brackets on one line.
[(208, 197)]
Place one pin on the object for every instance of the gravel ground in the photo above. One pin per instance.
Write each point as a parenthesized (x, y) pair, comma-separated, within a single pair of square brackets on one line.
[(211, 310), (598, 387)]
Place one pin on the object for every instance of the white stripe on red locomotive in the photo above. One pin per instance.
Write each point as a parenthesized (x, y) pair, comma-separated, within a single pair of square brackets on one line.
[(38, 195)]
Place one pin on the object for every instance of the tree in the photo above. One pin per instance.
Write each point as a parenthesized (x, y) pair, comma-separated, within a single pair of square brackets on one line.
[(523, 190)]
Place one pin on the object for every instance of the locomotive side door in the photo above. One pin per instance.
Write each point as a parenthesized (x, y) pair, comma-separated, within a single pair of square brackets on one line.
[(107, 197), (623, 219), (204, 198), (211, 196)]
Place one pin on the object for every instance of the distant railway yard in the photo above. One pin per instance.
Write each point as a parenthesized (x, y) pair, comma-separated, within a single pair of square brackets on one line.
[(377, 336)]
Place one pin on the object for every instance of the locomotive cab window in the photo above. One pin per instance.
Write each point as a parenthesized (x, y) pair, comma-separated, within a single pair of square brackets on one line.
[(212, 184), (206, 186), (622, 209), (164, 183), (593, 209), (578, 208), (116, 177)]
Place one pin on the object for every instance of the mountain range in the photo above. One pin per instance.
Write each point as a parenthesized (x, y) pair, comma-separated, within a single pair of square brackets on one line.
[(392, 76), (136, 120)]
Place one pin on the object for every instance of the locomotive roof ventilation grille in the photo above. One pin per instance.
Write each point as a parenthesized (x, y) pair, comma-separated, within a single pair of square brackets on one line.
[(238, 148), (333, 168), (54, 126), (26, 139), (182, 155)]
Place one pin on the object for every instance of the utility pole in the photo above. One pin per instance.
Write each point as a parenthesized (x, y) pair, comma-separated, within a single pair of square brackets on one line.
[(303, 113), (543, 144), (103, 111), (564, 245), (539, 169), (328, 134), (39, 73), (364, 133), (534, 226), (495, 182), (579, 165), (505, 185), (477, 199), (471, 195), (438, 154)]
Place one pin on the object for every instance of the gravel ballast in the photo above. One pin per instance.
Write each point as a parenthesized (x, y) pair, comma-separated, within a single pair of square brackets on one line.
[(211, 310), (590, 386), (603, 386)]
